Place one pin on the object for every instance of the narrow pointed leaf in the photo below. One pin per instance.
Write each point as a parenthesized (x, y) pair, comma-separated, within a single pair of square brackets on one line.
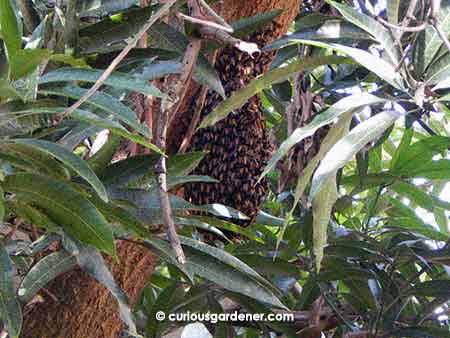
[(65, 206), (239, 98), (103, 101), (371, 26), (91, 261), (346, 148), (43, 272), (70, 160), (118, 80), (10, 311)]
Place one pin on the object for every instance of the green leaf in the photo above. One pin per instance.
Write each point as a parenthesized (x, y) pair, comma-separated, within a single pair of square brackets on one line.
[(418, 196), (420, 154), (102, 158), (116, 79), (227, 271), (432, 288), (326, 117), (438, 73), (69, 159), (430, 39), (239, 98), (43, 272), (32, 160), (322, 205), (10, 311), (404, 144), (26, 61), (347, 147), (383, 69), (436, 170), (91, 261), (371, 26), (166, 37), (65, 206), (406, 218), (7, 91), (220, 224), (329, 31), (9, 26), (103, 101)]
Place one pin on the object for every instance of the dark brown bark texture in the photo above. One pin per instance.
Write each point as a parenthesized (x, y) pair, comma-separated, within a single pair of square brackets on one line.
[(81, 307)]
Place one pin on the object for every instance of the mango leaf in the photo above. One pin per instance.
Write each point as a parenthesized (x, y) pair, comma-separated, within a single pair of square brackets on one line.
[(430, 41), (91, 261), (346, 148), (420, 154), (148, 203), (116, 79), (326, 117), (7, 91), (90, 118), (166, 37), (419, 196), (103, 101), (438, 72), (404, 217), (26, 61), (10, 311), (322, 205), (69, 159), (371, 26), (239, 98), (432, 288), (32, 160), (65, 206), (329, 31), (383, 69), (227, 271), (404, 144), (9, 27), (43, 272), (435, 170)]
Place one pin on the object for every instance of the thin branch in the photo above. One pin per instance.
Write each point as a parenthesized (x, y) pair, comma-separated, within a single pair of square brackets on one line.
[(441, 34), (133, 42), (177, 89), (204, 22), (403, 28), (195, 120)]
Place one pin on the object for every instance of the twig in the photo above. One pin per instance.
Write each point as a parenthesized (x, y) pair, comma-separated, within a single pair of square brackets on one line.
[(133, 42), (441, 34), (195, 119), (204, 5), (182, 86), (407, 19), (403, 28), (177, 89), (205, 22)]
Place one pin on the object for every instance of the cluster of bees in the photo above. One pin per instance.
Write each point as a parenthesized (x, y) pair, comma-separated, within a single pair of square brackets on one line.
[(238, 147)]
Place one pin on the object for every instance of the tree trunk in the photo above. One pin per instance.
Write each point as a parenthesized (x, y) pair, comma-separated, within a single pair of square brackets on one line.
[(79, 307)]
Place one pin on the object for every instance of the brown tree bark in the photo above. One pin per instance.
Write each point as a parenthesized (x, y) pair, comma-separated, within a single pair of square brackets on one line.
[(79, 306)]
